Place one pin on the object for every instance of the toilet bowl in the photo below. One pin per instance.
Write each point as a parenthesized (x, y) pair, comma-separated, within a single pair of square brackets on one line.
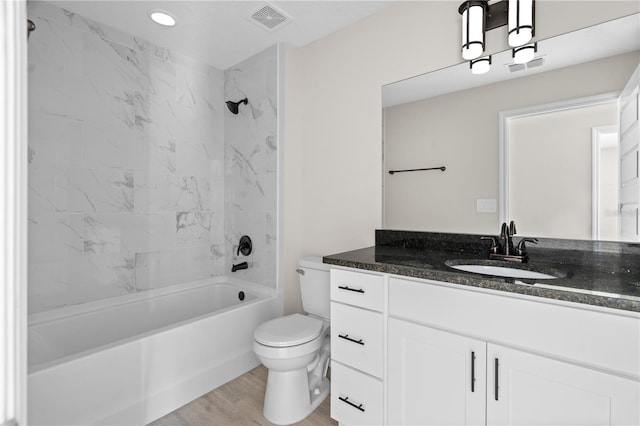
[(296, 351)]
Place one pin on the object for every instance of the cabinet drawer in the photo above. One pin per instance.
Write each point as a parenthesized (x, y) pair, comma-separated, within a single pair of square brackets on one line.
[(358, 289), (356, 338), (356, 399)]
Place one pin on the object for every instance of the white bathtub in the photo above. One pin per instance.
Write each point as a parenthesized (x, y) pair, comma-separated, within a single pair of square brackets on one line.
[(131, 360)]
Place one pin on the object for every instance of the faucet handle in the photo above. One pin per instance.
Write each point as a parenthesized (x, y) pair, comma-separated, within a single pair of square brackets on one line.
[(495, 245), (245, 246), (512, 228), (521, 249)]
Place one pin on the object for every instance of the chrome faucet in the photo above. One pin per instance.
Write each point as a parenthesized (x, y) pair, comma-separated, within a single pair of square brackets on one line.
[(502, 247)]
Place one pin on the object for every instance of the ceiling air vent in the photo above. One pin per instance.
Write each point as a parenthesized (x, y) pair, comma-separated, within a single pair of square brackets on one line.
[(516, 67), (537, 62), (534, 63), (269, 18)]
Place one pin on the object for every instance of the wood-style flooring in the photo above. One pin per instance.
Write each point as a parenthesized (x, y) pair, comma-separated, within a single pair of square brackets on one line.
[(238, 402)]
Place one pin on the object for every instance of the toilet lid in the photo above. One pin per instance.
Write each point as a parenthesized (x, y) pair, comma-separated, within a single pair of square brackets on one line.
[(290, 330)]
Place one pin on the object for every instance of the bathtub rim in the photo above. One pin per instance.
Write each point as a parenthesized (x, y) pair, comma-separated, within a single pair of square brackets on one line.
[(262, 295), (97, 305)]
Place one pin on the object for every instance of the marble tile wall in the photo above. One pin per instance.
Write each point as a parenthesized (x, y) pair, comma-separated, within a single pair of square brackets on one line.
[(251, 158), (127, 163)]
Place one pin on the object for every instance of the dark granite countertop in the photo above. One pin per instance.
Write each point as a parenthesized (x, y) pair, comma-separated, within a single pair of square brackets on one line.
[(600, 274)]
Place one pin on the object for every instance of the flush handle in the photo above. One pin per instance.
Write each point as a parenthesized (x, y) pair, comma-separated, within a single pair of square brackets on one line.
[(346, 337), (300, 271)]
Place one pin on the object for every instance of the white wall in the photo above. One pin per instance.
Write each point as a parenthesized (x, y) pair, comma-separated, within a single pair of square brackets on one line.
[(334, 118)]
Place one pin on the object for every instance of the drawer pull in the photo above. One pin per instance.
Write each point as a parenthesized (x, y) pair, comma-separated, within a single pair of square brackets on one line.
[(346, 337), (495, 388), (357, 290), (346, 400), (473, 371)]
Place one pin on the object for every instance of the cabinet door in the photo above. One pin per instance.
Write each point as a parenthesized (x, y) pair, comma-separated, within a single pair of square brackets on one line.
[(435, 377), (535, 390)]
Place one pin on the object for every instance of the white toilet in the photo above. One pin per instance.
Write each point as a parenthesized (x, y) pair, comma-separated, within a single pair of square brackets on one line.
[(296, 350)]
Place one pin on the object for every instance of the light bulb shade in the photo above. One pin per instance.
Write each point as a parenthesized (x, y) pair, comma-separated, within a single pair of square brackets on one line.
[(480, 66), (521, 15), (523, 54), (473, 20)]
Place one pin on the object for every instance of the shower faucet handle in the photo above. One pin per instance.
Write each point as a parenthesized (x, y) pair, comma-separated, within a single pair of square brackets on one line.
[(245, 246)]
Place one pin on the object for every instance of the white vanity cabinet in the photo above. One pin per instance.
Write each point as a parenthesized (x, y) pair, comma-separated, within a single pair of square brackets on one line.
[(557, 363), (441, 378), (531, 362), (357, 355)]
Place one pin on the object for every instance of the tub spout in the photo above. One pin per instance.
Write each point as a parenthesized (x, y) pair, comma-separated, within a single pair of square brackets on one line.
[(239, 266)]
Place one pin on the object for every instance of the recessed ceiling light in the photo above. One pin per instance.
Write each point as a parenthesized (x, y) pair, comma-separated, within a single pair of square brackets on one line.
[(163, 18)]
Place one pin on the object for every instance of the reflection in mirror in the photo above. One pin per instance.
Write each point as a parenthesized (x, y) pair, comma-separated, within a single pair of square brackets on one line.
[(568, 180), (540, 146)]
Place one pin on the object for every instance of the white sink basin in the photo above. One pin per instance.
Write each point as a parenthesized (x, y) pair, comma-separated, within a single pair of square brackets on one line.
[(501, 271)]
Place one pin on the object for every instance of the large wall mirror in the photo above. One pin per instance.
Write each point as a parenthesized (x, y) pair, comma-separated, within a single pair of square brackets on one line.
[(552, 145)]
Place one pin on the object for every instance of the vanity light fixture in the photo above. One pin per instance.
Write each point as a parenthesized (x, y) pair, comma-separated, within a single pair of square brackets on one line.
[(473, 21), (521, 14), (523, 54), (481, 65), (478, 16), (163, 18)]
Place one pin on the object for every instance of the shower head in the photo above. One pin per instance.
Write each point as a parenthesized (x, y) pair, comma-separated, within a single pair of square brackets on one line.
[(233, 106), (30, 27)]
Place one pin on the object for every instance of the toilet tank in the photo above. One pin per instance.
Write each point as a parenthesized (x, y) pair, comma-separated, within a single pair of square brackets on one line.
[(314, 286)]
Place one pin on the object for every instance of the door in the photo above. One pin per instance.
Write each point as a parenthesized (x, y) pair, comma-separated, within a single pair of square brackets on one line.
[(528, 389), (605, 173), (435, 377), (630, 160)]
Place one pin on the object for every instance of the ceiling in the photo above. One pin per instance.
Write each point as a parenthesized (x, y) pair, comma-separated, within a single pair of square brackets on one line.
[(219, 32)]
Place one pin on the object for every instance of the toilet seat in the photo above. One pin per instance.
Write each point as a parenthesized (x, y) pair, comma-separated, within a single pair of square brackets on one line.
[(290, 330)]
